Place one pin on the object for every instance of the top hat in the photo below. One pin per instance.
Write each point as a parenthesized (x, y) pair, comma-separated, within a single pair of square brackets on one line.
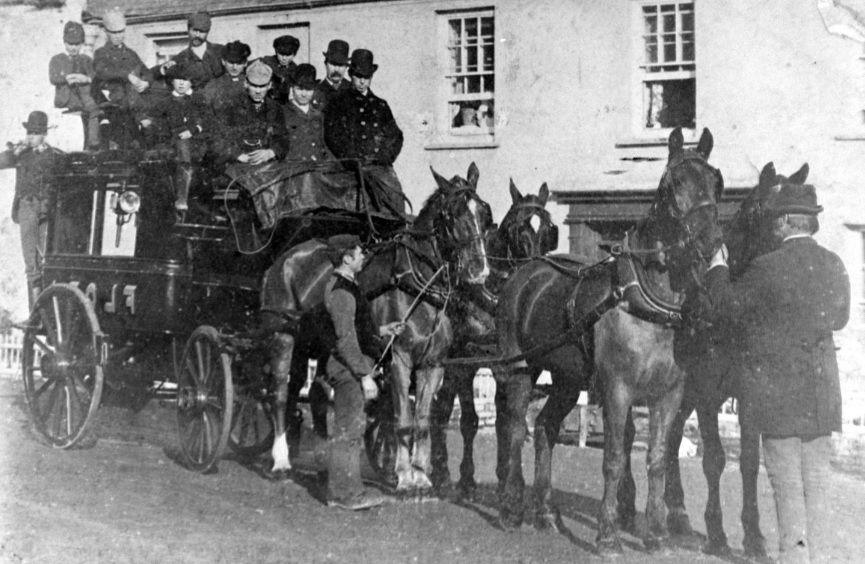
[(199, 21), (37, 122), (258, 73), (795, 199), (73, 33), (304, 76), (114, 21), (286, 45), (236, 52), (337, 52), (361, 63)]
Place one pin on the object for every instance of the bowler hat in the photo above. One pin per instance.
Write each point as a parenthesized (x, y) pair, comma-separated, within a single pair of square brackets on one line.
[(37, 122), (258, 73), (337, 52), (794, 198), (286, 44), (236, 52), (73, 33), (361, 63), (114, 21), (199, 21), (179, 71), (304, 76)]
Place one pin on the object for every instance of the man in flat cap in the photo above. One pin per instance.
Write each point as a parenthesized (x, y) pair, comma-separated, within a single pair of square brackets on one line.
[(282, 63), (201, 57), (782, 310), (252, 126), (304, 122), (334, 81), (72, 73), (232, 83), (359, 125), (120, 79), (35, 162)]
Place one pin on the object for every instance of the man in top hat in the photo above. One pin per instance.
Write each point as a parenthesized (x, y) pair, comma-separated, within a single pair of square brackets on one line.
[(72, 73), (359, 125), (232, 83), (121, 78), (252, 127), (334, 81), (202, 58), (783, 310), (304, 122), (282, 63), (34, 161)]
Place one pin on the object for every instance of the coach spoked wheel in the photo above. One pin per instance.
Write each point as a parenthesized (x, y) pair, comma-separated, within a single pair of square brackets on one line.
[(380, 439), (62, 362), (205, 399), (252, 428)]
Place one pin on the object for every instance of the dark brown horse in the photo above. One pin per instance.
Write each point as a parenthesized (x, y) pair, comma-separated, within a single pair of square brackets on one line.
[(546, 313), (526, 231), (712, 377), (446, 241)]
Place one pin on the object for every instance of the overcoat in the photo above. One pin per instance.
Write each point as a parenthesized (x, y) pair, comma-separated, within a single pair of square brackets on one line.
[(305, 134), (782, 312), (244, 127), (112, 65), (204, 69), (362, 127)]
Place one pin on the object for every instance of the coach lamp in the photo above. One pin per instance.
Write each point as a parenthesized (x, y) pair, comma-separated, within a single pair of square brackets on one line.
[(126, 205)]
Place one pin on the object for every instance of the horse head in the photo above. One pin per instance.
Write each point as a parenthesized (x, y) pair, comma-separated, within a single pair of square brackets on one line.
[(527, 230), (683, 220), (459, 218), (748, 235)]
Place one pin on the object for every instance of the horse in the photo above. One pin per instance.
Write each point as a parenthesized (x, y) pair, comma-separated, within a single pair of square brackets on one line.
[(408, 277), (613, 318), (709, 361), (526, 231)]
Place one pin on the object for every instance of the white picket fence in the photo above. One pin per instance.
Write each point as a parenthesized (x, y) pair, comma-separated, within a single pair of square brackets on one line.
[(10, 354)]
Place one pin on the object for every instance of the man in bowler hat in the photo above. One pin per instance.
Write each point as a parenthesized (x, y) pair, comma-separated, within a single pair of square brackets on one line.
[(202, 58), (282, 63), (334, 81), (783, 310), (35, 162), (358, 125), (220, 91), (303, 121)]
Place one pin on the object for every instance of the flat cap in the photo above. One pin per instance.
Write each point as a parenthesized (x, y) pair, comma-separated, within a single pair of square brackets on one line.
[(286, 44), (258, 73), (343, 242), (199, 21), (73, 33)]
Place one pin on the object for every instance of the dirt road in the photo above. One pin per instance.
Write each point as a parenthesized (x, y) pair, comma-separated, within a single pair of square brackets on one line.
[(126, 500)]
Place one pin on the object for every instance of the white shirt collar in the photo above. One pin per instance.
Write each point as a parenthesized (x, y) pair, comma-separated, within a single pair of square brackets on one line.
[(199, 51), (796, 236)]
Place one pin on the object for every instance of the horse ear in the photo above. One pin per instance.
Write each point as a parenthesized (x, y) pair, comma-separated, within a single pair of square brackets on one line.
[(544, 194), (704, 146), (800, 175), (515, 193), (768, 174), (676, 142), (443, 183), (473, 175)]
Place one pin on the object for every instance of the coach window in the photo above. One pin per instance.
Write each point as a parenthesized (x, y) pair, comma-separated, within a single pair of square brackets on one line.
[(466, 112), (667, 66)]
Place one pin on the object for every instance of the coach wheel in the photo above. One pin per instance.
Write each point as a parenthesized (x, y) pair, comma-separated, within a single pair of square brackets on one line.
[(205, 399), (380, 439), (252, 427), (62, 365)]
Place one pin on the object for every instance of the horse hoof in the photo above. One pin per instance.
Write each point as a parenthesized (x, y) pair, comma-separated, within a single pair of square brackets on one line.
[(279, 475), (678, 524), (444, 490), (609, 549), (510, 521), (422, 481), (468, 489), (549, 521), (717, 547)]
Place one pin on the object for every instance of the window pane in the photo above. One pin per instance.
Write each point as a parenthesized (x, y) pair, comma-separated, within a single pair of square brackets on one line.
[(669, 52), (489, 83), (688, 47), (487, 27), (670, 103), (688, 21), (670, 22), (650, 24), (489, 58), (471, 35), (473, 84), (454, 60), (454, 31), (458, 85), (651, 50), (668, 8), (472, 59), (650, 9)]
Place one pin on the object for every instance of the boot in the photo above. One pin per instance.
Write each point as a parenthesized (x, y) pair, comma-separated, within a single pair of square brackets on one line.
[(182, 183)]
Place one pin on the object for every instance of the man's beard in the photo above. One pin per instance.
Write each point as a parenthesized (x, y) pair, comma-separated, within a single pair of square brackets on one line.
[(335, 76), (197, 41)]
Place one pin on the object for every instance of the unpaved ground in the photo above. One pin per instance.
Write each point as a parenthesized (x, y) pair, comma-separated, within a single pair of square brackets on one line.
[(126, 500)]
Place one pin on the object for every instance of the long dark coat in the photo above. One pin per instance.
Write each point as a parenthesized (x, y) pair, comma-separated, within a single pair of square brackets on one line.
[(243, 127), (204, 69), (362, 127), (305, 134), (783, 310)]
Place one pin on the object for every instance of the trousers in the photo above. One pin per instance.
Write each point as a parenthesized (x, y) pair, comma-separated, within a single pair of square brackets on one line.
[(799, 472), (343, 465), (33, 235)]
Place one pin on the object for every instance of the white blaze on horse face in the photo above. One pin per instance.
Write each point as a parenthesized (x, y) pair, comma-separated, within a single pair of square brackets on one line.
[(535, 222), (473, 209)]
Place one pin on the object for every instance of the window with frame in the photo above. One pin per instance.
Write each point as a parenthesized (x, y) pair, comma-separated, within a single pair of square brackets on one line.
[(168, 44), (668, 67), (469, 81)]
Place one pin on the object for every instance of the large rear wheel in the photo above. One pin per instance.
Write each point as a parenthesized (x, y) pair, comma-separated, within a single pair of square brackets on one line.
[(205, 399), (252, 427), (62, 365)]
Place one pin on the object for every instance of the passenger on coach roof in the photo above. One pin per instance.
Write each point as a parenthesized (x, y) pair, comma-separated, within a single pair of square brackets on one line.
[(359, 125), (202, 58), (252, 127), (220, 91), (72, 74), (334, 81), (283, 66), (305, 123)]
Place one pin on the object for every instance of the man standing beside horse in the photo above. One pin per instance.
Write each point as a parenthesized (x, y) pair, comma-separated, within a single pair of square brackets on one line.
[(784, 309)]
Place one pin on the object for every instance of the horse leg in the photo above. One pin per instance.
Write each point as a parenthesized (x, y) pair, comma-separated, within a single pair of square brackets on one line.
[(519, 387), (713, 466), (678, 522), (400, 379), (281, 349), (560, 402), (468, 430), (749, 463), (428, 382), (440, 414), (662, 412), (626, 496), (617, 403)]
